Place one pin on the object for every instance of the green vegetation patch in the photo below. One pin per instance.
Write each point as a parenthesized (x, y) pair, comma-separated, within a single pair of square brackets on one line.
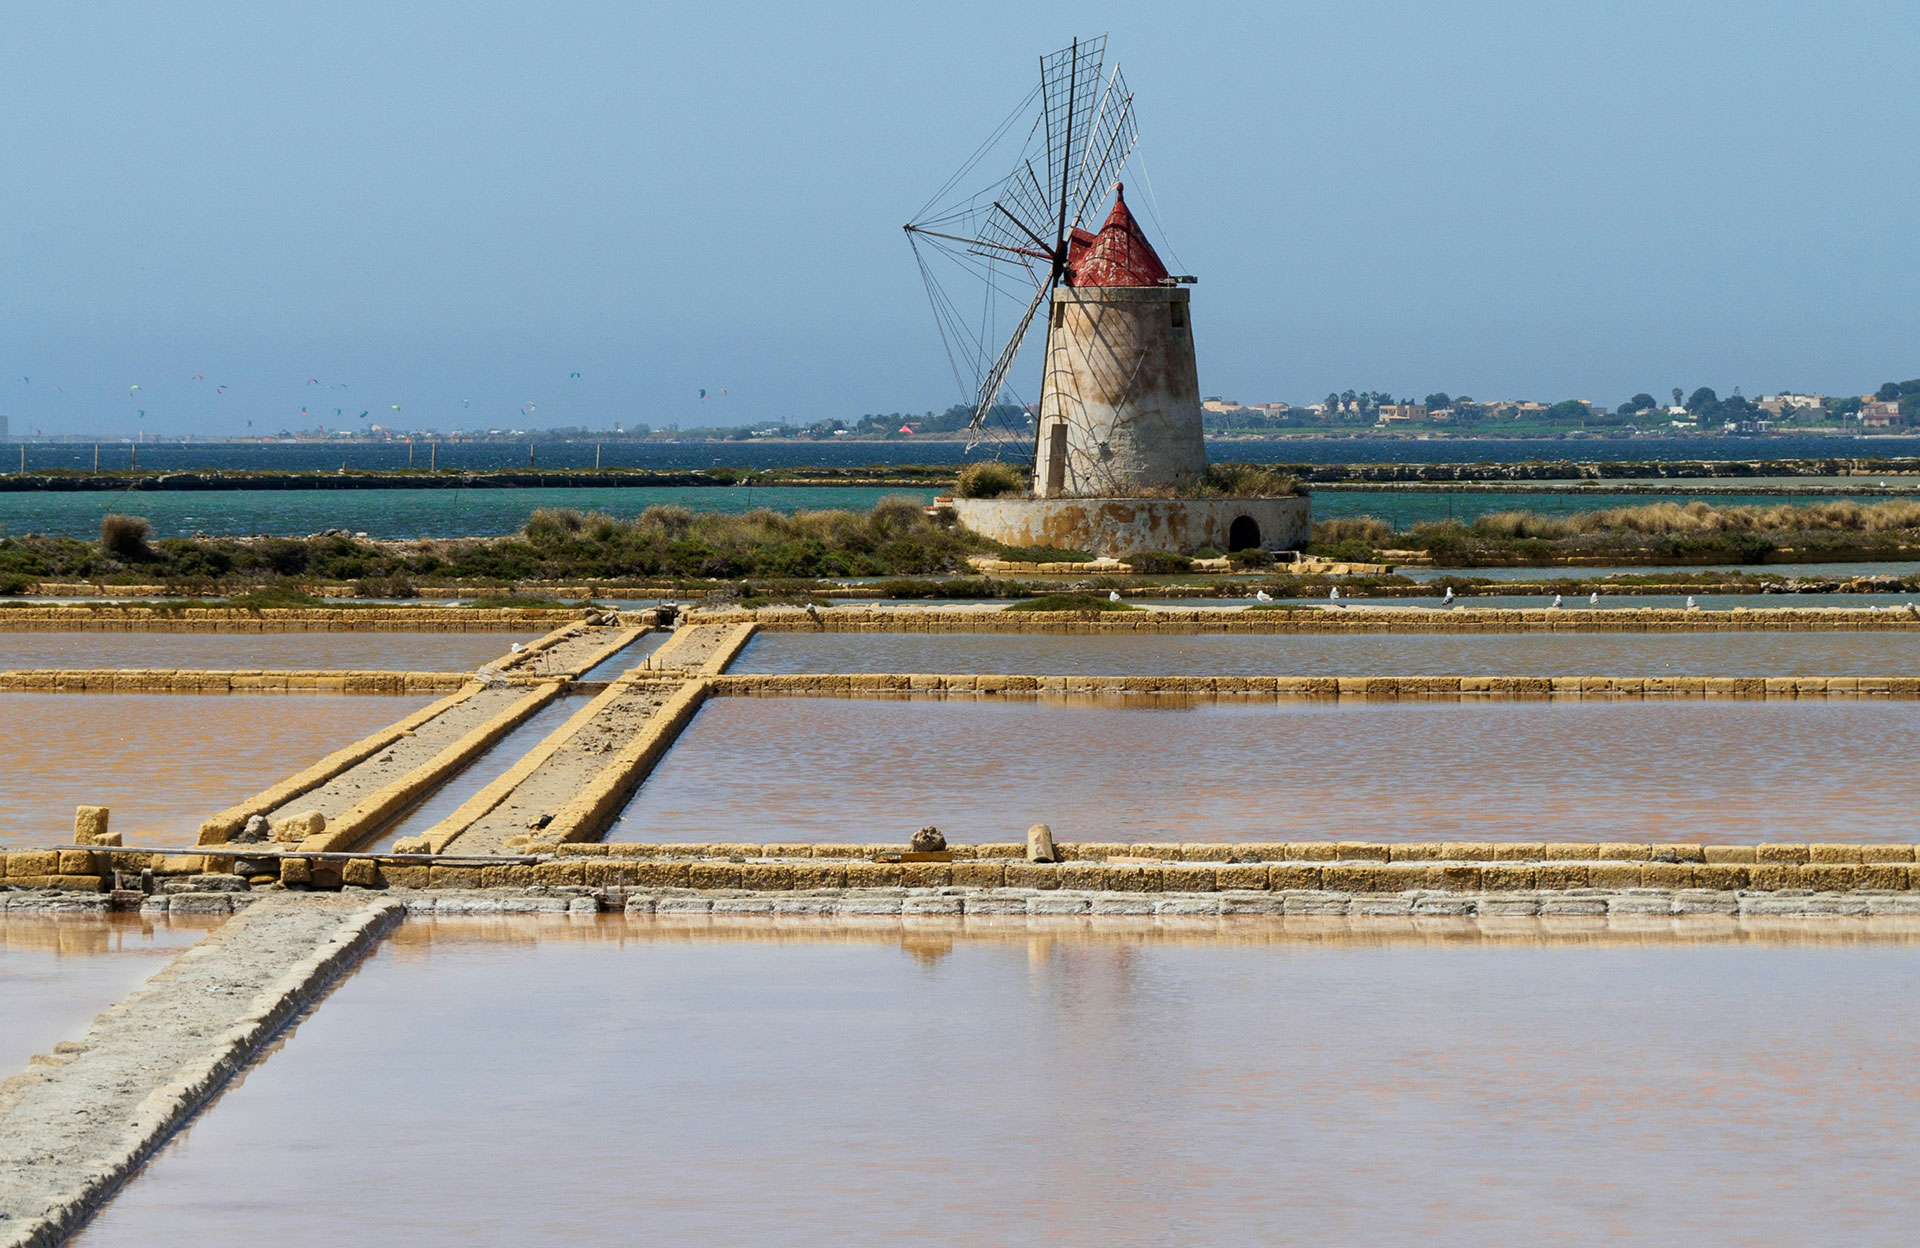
[(1071, 602)]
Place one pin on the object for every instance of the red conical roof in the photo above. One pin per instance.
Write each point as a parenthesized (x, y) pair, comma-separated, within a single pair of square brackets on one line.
[(1119, 255)]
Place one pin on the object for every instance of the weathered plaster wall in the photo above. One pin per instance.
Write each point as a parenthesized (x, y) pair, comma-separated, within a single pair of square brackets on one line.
[(1125, 526)]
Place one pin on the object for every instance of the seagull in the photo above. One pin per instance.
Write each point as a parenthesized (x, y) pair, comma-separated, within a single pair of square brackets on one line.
[(516, 648), (1113, 595), (1556, 602), (1593, 599), (1691, 604), (1333, 595), (1449, 596), (1261, 595)]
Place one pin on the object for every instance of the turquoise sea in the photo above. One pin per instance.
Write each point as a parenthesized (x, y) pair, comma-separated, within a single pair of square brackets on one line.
[(490, 512)]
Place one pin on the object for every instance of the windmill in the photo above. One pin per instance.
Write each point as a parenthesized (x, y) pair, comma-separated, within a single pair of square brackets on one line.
[(1018, 235)]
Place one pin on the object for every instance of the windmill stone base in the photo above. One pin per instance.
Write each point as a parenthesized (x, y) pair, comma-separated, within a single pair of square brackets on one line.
[(1119, 527)]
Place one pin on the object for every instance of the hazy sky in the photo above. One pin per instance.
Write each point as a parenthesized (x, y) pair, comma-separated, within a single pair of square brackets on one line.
[(432, 203)]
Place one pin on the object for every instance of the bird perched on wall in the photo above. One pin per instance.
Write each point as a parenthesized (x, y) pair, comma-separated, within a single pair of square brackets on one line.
[(1556, 602), (516, 647), (1593, 599), (1261, 595), (1447, 597), (1113, 595), (1691, 604)]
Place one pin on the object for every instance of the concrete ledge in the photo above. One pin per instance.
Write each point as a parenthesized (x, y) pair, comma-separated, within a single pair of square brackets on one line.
[(1354, 617), (82, 1119)]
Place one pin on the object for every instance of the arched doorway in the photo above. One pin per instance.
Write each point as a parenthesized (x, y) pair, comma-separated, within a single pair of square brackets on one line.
[(1243, 534)]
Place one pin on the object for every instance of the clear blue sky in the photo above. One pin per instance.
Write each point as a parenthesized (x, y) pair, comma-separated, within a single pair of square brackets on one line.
[(431, 203)]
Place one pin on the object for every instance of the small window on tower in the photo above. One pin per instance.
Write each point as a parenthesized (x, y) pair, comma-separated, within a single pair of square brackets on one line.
[(1059, 315), (1179, 315)]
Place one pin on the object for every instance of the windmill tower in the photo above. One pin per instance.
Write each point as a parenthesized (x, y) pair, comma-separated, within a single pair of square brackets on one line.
[(1117, 429), (1120, 398)]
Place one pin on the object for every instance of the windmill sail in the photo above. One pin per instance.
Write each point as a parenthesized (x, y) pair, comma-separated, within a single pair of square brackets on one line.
[(1016, 234)]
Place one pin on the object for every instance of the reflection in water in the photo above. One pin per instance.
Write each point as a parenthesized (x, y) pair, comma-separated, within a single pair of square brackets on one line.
[(1080, 1089), (628, 657), (1339, 654), (853, 769), (161, 762), (57, 972), (384, 652)]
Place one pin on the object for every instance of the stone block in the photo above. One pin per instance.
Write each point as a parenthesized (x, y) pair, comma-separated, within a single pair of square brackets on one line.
[(714, 875), (1830, 877), (552, 874), (78, 862), (1614, 875), (396, 876), (1886, 853), (767, 876), (662, 874), (1292, 875), (1780, 853), (1771, 878), (1467, 851), (926, 874), (875, 874), (89, 825), (77, 883), (1032, 875), (1685, 852), (1561, 875), (1723, 875), (1570, 851), (1133, 879), (296, 828), (814, 875), (1360, 877), (1509, 877), (1729, 853), (1667, 875), (1884, 875), (1416, 851), (361, 873), (1520, 851), (1833, 853), (1311, 851), (294, 871), (32, 862), (1248, 876), (1460, 878), (1624, 851), (454, 877), (1362, 851), (1211, 851), (979, 874)]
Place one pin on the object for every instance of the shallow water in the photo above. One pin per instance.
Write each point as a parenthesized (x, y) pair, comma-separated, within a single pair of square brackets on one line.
[(58, 971), (395, 652), (873, 769), (482, 771), (1343, 654), (629, 657), (820, 1086), (161, 762)]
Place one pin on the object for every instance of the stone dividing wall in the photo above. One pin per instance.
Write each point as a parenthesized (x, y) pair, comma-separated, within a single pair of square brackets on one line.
[(141, 619), (1350, 619), (1316, 687), (227, 680)]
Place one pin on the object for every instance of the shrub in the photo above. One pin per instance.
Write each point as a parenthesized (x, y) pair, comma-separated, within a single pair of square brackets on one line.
[(1369, 530), (1351, 550), (1043, 554), (989, 479), (125, 537), (1248, 481), (1159, 562)]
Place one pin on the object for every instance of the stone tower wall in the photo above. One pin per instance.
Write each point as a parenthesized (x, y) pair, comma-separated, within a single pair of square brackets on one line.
[(1120, 402)]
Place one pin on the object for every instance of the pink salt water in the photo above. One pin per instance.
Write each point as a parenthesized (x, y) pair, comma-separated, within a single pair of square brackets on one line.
[(873, 769), (624, 1082), (161, 762), (1339, 654), (58, 971), (394, 652)]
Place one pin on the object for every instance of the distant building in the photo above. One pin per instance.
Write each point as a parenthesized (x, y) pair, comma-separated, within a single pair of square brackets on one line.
[(1390, 412), (1880, 414), (1783, 404)]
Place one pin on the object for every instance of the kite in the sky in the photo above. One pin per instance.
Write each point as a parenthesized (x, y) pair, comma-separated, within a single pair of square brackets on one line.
[(219, 389), (466, 402), (199, 376), (313, 381), (526, 407), (703, 396), (143, 413), (130, 390), (573, 374)]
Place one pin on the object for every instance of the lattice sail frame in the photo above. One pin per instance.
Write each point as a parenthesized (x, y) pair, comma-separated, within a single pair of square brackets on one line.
[(1025, 222)]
